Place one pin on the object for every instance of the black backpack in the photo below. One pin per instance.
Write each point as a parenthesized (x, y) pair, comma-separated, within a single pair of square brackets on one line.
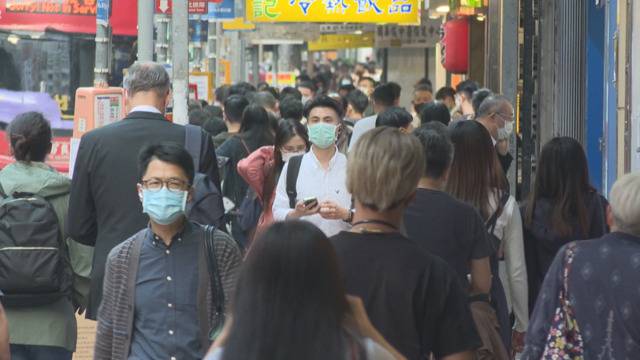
[(293, 169), (34, 267), (206, 207)]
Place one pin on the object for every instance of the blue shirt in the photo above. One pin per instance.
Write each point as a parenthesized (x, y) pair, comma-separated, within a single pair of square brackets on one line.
[(165, 324), (603, 291)]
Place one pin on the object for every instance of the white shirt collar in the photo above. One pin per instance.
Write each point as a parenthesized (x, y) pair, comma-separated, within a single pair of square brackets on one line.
[(146, 108), (494, 140), (317, 162)]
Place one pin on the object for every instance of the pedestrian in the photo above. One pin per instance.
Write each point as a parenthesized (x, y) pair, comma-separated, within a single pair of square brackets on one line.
[(4, 333), (478, 97), (464, 96), (316, 191), (255, 133), (233, 109), (497, 115), (291, 108), (411, 296), (159, 301), (357, 104), (384, 96), (442, 225), (262, 169), (476, 179), (366, 85), (267, 101), (308, 90), (435, 111), (310, 316), (447, 95), (396, 117), (289, 91), (562, 207), (422, 94), (103, 207), (588, 301), (46, 329)]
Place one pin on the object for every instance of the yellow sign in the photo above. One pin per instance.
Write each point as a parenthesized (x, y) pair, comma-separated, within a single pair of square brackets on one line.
[(341, 41), (238, 24), (335, 11)]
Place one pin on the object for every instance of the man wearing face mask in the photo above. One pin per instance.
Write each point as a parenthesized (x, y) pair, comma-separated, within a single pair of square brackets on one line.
[(319, 194), (159, 298), (497, 115), (103, 207)]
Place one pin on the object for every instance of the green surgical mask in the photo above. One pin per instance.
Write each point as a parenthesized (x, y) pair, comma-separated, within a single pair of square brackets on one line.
[(322, 135)]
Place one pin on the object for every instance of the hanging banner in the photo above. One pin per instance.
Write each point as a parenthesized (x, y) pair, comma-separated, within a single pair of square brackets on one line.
[(335, 11), (222, 10), (341, 41)]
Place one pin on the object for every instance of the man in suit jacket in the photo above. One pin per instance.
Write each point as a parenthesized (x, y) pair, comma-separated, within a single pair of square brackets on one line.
[(104, 209)]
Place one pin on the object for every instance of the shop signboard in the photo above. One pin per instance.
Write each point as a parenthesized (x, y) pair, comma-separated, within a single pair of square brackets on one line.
[(222, 10), (335, 11), (424, 35), (341, 41)]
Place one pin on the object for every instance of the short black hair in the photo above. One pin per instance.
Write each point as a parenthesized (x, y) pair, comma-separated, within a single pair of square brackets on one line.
[(308, 85), (346, 87), (213, 111), (234, 107), (438, 148), (324, 101), (198, 117), (214, 126), (445, 92), (358, 100), (478, 97), (395, 116), (169, 152), (424, 83), (468, 87), (222, 93), (30, 137), (290, 91), (271, 90), (435, 111), (291, 108), (242, 88), (423, 87), (386, 94)]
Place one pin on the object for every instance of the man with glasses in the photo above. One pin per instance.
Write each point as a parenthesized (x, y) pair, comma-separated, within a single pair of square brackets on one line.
[(158, 299), (497, 115)]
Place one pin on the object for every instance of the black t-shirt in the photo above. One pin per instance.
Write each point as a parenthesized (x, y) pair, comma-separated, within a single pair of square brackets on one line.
[(411, 297), (448, 228)]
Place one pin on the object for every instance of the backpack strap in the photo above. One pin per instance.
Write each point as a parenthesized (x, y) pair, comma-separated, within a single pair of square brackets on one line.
[(493, 220), (293, 169), (3, 195), (216, 281), (193, 143)]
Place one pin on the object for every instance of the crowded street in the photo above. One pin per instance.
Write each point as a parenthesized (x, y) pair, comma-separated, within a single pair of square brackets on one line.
[(349, 180)]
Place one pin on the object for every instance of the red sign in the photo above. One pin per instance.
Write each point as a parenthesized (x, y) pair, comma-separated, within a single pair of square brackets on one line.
[(72, 16), (163, 7), (198, 6), (58, 158)]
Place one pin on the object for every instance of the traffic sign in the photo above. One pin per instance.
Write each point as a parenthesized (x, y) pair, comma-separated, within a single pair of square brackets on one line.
[(163, 7), (102, 12)]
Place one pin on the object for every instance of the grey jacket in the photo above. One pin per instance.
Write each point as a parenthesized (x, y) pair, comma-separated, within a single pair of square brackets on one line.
[(116, 312)]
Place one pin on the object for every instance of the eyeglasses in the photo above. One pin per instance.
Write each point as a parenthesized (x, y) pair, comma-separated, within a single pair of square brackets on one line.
[(173, 185)]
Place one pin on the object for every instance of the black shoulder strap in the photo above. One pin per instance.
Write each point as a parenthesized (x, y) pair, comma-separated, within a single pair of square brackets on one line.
[(214, 273), (293, 169), (493, 220), (3, 195), (193, 143)]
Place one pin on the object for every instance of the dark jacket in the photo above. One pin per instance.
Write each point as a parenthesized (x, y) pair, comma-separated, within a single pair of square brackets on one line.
[(542, 243), (116, 314), (104, 208)]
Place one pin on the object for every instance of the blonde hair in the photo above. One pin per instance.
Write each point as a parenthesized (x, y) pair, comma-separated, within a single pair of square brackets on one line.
[(384, 168), (625, 203)]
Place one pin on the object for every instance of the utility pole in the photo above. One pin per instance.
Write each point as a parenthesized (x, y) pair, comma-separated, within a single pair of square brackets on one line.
[(162, 45), (146, 8), (103, 45), (212, 48), (180, 56)]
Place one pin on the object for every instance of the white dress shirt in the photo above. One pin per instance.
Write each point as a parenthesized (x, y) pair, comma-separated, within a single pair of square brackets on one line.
[(315, 181), (362, 126)]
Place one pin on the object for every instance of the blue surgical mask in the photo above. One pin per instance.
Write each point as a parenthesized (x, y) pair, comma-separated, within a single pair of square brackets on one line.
[(322, 135), (164, 206)]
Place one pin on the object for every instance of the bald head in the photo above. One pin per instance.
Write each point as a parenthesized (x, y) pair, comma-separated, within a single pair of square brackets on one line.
[(625, 204)]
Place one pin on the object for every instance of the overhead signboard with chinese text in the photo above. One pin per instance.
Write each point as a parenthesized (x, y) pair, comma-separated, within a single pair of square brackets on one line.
[(341, 41), (335, 11), (424, 35)]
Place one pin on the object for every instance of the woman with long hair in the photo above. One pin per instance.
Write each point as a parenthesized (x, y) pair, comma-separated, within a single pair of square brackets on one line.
[(562, 207), (256, 131), (262, 168), (290, 303), (477, 179)]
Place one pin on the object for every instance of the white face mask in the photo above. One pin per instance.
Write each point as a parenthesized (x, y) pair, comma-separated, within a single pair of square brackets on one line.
[(506, 131), (286, 156), (508, 127)]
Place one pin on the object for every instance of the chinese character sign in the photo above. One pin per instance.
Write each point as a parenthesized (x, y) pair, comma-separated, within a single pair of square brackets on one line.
[(336, 11)]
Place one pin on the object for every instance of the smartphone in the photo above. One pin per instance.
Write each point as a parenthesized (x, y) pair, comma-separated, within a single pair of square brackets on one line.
[(310, 202)]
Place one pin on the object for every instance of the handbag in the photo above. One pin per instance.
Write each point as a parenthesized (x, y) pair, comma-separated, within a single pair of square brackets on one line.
[(216, 284), (564, 341)]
